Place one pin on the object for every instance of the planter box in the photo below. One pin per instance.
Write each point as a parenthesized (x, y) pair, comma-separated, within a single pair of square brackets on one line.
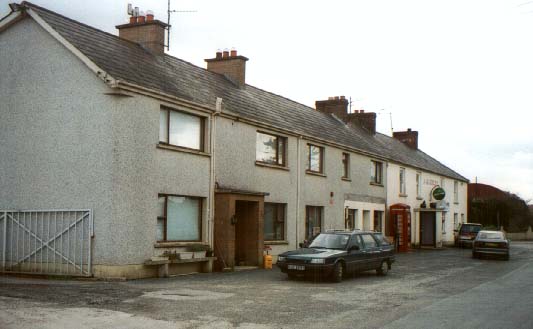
[(185, 255), (199, 254)]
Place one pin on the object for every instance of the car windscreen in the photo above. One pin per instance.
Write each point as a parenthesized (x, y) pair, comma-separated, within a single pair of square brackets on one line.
[(330, 241), (490, 235), (470, 228), (383, 241)]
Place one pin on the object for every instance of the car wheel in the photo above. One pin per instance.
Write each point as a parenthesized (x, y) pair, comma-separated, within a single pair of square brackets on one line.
[(338, 272), (383, 269)]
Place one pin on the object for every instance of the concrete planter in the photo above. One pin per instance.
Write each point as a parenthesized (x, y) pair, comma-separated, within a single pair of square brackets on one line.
[(199, 254), (185, 255)]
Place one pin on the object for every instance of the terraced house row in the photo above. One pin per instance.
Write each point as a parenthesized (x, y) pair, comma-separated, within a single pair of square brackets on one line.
[(114, 152)]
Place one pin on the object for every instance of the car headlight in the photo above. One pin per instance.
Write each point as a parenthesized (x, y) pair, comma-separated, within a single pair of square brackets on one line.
[(318, 261), (281, 259)]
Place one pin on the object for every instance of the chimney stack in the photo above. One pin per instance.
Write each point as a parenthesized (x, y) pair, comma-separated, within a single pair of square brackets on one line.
[(229, 64), (409, 137), (144, 30), (338, 106)]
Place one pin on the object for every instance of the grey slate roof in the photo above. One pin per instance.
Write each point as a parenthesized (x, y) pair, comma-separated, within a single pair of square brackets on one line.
[(128, 61)]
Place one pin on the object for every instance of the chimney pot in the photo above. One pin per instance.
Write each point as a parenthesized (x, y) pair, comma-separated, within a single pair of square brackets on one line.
[(149, 16), (342, 97), (133, 20), (233, 52), (141, 19), (218, 54), (225, 53), (336, 98)]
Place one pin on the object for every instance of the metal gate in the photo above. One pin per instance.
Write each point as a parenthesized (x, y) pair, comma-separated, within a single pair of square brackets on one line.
[(46, 241)]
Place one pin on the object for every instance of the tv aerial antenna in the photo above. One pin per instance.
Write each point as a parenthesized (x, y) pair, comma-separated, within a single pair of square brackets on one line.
[(170, 11)]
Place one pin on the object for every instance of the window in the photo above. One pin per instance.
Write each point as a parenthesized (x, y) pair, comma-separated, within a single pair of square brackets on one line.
[(179, 218), (350, 219), (274, 222), (455, 219), (181, 129), (462, 218), (270, 149), (313, 221), (315, 158), (419, 185), (402, 181), (369, 241), (345, 165), (376, 172), (455, 192), (378, 221)]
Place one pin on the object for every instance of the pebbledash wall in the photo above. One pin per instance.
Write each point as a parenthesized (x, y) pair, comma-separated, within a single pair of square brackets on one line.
[(428, 181), (236, 167), (67, 144)]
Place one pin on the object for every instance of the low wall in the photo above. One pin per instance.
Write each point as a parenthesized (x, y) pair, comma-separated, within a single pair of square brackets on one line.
[(528, 235)]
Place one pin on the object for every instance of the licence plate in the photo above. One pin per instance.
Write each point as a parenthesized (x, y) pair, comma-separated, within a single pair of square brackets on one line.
[(491, 244), (296, 267)]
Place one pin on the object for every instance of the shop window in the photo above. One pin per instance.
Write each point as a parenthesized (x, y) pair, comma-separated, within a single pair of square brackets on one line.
[(274, 221), (270, 149), (313, 221), (179, 218), (350, 219), (181, 129), (378, 221)]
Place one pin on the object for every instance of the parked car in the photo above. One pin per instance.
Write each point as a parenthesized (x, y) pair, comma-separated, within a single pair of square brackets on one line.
[(490, 243), (334, 254), (465, 235)]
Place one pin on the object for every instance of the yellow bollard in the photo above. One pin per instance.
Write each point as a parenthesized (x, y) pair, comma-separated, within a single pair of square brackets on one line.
[(267, 262)]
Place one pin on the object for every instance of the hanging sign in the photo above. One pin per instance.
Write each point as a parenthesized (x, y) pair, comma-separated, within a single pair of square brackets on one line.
[(438, 193)]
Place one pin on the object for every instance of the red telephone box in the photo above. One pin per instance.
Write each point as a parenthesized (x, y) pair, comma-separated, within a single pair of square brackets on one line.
[(400, 226)]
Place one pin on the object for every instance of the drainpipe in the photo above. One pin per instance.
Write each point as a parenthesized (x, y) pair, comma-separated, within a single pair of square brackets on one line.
[(212, 178), (298, 179)]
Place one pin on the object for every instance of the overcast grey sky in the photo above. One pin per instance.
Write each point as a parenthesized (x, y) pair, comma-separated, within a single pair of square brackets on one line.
[(458, 71)]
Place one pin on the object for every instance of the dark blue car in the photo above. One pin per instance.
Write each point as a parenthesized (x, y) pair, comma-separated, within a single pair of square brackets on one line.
[(334, 254)]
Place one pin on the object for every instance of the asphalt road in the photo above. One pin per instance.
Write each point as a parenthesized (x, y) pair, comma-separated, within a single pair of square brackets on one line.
[(425, 289)]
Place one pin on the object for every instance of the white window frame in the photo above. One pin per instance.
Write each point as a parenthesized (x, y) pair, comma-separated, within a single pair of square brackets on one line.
[(402, 179), (419, 185)]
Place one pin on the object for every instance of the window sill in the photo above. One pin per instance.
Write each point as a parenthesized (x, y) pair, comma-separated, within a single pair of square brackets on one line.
[(314, 173), (346, 179), (177, 244), (401, 195), (277, 242), (376, 184), (273, 166), (419, 198), (182, 149), (455, 202)]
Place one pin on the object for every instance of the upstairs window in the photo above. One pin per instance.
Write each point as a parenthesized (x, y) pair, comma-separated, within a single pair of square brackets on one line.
[(270, 149), (181, 129), (418, 185), (402, 181), (376, 173), (346, 165), (455, 192), (315, 158)]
